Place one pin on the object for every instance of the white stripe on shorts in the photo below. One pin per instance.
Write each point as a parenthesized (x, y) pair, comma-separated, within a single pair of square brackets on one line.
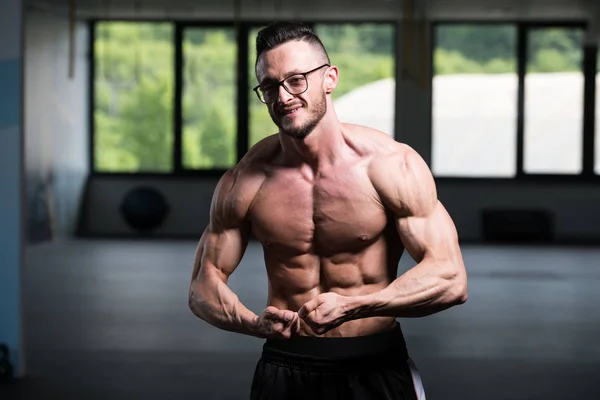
[(416, 377)]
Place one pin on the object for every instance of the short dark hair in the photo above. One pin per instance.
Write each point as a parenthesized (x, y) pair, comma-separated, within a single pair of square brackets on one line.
[(278, 33)]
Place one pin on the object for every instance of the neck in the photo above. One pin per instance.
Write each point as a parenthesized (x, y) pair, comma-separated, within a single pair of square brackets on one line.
[(322, 147)]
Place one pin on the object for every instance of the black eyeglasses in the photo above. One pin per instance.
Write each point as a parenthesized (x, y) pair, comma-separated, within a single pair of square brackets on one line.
[(295, 84)]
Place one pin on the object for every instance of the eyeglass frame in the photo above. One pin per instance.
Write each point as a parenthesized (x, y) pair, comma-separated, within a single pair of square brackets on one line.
[(281, 83)]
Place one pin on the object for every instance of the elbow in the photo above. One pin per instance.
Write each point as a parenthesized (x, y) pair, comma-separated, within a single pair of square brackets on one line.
[(194, 300), (191, 301), (461, 295), (198, 293), (460, 291)]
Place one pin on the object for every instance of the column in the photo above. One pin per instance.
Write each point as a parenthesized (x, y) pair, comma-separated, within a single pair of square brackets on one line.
[(11, 176)]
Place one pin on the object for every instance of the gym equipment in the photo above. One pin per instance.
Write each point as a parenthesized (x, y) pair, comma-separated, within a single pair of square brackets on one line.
[(144, 209)]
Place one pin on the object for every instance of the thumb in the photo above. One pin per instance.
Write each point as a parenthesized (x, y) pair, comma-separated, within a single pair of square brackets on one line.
[(270, 312), (309, 307), (287, 315)]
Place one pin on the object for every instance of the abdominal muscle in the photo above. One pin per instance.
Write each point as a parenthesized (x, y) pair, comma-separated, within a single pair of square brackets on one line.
[(299, 279)]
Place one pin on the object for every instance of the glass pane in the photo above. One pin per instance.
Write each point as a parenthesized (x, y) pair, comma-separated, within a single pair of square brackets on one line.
[(261, 124), (209, 98), (474, 101), (554, 101), (364, 54), (133, 102), (597, 125)]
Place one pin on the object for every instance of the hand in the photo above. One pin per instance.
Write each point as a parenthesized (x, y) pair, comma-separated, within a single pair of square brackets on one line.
[(325, 312), (278, 324)]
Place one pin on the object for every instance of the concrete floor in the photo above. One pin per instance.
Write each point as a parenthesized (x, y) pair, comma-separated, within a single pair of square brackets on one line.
[(109, 320)]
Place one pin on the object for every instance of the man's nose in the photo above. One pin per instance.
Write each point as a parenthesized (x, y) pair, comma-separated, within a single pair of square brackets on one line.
[(284, 95)]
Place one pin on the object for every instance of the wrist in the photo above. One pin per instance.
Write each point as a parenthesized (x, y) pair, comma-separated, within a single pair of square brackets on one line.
[(359, 307), (254, 327), (364, 306), (244, 322)]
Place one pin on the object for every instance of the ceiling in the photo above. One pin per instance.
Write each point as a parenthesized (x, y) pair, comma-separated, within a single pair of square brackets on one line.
[(323, 9)]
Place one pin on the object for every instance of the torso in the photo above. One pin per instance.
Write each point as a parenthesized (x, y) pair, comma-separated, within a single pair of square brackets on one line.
[(327, 232)]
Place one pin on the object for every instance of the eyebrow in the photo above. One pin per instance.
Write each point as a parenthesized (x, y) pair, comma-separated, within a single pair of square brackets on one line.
[(287, 75)]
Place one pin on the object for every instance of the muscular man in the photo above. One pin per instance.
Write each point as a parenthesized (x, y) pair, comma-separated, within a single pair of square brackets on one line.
[(333, 205)]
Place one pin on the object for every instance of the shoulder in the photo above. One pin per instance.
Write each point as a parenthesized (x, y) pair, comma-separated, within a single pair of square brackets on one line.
[(261, 153), (399, 174), (237, 187), (382, 150), (368, 141), (253, 164)]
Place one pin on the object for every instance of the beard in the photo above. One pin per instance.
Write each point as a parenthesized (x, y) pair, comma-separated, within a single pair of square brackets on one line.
[(300, 129)]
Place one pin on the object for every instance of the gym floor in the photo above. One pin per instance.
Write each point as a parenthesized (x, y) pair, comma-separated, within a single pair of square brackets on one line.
[(109, 320)]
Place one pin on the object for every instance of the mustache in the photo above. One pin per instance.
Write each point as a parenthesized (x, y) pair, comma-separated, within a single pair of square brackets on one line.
[(281, 109)]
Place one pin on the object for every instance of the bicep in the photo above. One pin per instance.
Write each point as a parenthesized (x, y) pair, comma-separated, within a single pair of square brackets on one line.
[(430, 235), (408, 188), (224, 241), (219, 253), (223, 250)]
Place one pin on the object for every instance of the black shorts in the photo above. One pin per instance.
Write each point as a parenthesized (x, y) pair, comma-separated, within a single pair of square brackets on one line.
[(368, 367)]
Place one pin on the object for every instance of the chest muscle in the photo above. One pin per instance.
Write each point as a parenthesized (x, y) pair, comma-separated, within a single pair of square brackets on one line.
[(327, 216)]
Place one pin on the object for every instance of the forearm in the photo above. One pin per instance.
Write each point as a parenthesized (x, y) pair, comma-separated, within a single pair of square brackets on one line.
[(214, 302), (417, 293)]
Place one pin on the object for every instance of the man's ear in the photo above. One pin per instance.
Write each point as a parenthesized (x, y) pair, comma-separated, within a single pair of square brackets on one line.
[(331, 79)]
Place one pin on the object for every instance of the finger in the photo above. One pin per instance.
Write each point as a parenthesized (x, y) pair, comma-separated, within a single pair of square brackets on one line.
[(281, 315), (278, 327), (269, 311), (310, 306), (287, 315), (295, 324), (293, 327), (274, 314)]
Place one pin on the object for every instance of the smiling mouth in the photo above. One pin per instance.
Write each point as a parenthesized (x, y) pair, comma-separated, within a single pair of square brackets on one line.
[(289, 112)]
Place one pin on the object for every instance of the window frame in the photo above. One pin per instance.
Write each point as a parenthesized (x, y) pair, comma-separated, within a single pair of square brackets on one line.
[(242, 30), (589, 59)]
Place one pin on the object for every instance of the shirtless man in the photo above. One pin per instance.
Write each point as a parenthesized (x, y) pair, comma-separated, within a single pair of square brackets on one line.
[(334, 206)]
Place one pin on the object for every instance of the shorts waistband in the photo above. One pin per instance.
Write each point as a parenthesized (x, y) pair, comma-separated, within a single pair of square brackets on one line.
[(390, 342)]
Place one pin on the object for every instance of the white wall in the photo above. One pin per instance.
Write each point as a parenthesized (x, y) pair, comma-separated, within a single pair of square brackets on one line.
[(56, 121)]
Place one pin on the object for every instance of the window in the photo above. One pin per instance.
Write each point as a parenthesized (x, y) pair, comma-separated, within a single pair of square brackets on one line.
[(474, 115), (133, 103), (554, 82), (138, 121), (365, 56), (209, 123), (507, 99)]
